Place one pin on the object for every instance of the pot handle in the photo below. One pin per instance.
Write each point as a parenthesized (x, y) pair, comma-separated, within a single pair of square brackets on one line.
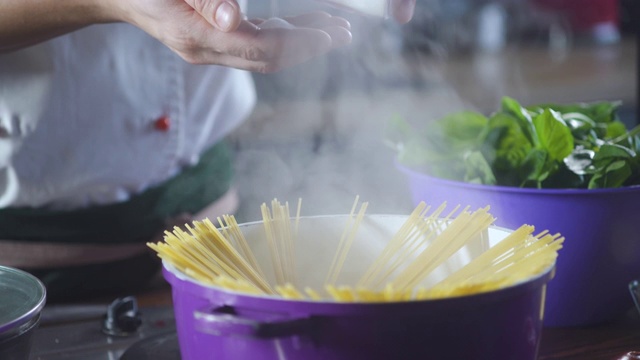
[(225, 321)]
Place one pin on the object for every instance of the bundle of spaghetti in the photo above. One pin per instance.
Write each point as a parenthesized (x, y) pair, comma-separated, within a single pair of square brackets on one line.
[(231, 230), (346, 240), (507, 263), (425, 241), (207, 255), (413, 235), (277, 226), (492, 255), (440, 246)]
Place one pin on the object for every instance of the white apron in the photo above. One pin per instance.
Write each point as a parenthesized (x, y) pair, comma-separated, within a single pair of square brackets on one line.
[(116, 112)]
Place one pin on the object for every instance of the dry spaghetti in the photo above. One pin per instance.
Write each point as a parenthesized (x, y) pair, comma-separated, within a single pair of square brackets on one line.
[(221, 256)]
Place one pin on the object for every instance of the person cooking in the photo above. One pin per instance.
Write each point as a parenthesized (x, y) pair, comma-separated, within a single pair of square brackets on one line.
[(113, 116)]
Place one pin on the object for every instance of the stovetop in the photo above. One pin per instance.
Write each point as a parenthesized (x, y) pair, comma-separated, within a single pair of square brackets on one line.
[(76, 333), (158, 347)]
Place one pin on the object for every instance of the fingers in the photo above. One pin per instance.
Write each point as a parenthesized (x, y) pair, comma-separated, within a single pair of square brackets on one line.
[(224, 15), (271, 49), (340, 36), (337, 27), (318, 20), (402, 10), (278, 48), (266, 45)]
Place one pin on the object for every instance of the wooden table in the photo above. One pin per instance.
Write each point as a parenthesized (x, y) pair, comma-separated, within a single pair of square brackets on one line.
[(607, 342)]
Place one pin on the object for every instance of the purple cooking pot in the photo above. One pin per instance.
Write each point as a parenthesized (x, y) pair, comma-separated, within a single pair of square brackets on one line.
[(602, 243), (215, 323)]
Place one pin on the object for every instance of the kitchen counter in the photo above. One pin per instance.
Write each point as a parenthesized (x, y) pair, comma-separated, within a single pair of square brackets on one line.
[(602, 342)]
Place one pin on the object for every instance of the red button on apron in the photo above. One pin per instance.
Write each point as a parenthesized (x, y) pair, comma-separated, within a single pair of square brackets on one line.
[(163, 123)]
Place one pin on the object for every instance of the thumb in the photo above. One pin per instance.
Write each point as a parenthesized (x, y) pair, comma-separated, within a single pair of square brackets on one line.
[(224, 15), (402, 10)]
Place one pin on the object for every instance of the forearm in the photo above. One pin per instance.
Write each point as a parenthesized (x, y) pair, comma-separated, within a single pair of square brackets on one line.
[(27, 22)]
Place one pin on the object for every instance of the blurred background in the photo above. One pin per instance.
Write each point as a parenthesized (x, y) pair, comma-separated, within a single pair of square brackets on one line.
[(318, 130)]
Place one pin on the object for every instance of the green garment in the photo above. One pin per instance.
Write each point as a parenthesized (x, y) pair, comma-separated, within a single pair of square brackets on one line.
[(132, 221), (136, 220)]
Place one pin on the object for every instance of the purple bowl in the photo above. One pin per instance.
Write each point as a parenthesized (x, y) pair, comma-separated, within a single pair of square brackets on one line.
[(601, 252)]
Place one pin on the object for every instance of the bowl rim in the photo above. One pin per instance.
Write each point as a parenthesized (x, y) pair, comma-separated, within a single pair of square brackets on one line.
[(31, 309), (512, 189)]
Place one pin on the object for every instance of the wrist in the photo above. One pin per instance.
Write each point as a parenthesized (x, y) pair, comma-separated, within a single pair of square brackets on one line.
[(99, 11)]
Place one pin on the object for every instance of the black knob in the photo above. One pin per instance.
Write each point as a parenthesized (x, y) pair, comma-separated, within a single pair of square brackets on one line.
[(122, 318)]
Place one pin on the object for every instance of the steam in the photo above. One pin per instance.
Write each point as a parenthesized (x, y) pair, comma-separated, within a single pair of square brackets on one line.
[(318, 130)]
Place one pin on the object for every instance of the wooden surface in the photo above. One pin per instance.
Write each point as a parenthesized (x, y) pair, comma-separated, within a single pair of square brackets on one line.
[(610, 342), (535, 75)]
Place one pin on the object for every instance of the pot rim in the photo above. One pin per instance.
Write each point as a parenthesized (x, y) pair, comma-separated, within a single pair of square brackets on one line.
[(513, 189), (30, 309), (236, 297), (183, 282)]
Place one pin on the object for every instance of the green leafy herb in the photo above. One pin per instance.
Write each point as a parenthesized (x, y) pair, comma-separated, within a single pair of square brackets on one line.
[(543, 146)]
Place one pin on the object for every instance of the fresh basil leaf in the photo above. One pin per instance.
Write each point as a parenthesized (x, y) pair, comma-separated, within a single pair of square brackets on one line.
[(614, 175), (554, 135), (462, 130), (478, 169), (581, 125), (522, 116), (588, 141), (535, 167), (600, 112), (615, 129), (577, 120), (630, 139), (508, 139), (603, 111), (609, 152)]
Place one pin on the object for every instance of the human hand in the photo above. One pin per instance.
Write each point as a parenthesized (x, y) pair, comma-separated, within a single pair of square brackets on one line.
[(402, 10), (216, 32)]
